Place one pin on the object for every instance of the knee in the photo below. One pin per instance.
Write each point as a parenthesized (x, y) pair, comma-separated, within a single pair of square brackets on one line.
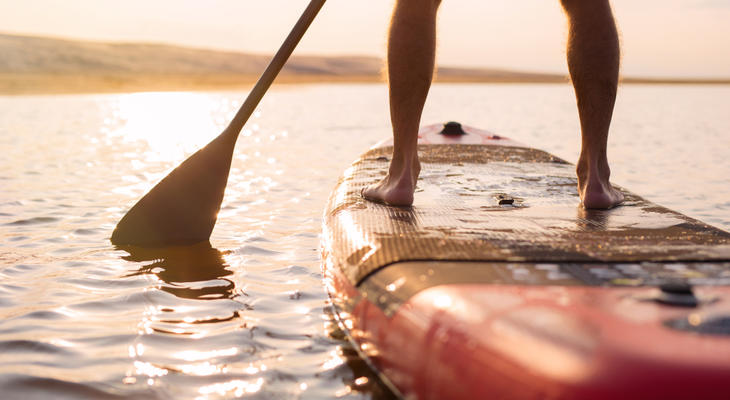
[(573, 7), (433, 4)]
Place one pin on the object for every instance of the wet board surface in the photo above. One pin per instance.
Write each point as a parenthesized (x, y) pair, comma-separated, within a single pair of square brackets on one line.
[(496, 234), (457, 216)]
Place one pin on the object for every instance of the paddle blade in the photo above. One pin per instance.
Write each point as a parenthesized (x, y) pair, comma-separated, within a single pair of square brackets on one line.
[(183, 207)]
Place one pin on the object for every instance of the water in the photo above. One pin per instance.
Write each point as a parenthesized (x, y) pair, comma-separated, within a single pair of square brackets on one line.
[(248, 316)]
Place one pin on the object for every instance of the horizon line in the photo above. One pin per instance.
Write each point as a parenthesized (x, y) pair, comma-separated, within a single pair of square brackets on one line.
[(633, 78)]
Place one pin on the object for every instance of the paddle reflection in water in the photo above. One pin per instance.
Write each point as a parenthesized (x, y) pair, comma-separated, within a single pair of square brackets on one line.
[(200, 329), (191, 327), (190, 272)]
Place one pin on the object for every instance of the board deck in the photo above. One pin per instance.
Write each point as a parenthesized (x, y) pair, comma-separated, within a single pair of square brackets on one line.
[(495, 220)]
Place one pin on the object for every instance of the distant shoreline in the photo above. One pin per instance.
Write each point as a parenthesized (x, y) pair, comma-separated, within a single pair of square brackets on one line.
[(46, 65), (26, 84)]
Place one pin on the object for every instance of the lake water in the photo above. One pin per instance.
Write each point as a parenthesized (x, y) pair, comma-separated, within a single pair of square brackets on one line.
[(249, 316)]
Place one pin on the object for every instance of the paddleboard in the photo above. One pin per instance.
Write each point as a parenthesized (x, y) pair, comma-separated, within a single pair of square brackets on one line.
[(496, 284)]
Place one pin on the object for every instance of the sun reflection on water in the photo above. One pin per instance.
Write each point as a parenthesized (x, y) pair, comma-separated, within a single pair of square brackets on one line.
[(173, 125), (234, 387), (335, 359), (195, 355)]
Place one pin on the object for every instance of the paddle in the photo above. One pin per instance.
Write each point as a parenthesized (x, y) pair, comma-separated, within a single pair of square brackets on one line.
[(183, 207)]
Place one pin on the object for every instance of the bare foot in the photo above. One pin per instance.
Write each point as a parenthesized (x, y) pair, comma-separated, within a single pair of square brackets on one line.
[(397, 187), (599, 196), (594, 187)]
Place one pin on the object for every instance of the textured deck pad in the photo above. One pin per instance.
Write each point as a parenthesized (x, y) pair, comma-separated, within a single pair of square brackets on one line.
[(456, 216)]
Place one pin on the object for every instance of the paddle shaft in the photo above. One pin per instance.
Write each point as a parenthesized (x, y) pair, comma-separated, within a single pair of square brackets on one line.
[(280, 58), (183, 207)]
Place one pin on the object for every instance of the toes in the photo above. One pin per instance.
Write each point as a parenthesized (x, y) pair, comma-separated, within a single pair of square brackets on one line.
[(364, 194)]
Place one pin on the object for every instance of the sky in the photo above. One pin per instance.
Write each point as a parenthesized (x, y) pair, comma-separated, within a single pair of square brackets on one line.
[(669, 38)]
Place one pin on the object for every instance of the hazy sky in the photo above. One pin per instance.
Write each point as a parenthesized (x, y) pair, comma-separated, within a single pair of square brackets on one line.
[(686, 38)]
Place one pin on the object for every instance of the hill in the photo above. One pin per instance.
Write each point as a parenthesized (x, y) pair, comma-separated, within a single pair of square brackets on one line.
[(31, 64)]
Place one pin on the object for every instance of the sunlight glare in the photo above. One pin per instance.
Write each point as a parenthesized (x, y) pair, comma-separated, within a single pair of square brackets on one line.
[(173, 125), (195, 355), (335, 360), (145, 368), (235, 387), (201, 369), (442, 301)]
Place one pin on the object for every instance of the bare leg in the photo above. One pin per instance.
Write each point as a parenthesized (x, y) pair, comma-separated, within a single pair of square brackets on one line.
[(411, 54), (593, 61)]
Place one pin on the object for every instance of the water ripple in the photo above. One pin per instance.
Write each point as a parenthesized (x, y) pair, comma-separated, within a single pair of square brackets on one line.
[(246, 314), (33, 221)]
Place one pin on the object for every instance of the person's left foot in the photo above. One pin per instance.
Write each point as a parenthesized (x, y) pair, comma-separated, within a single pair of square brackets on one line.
[(397, 188)]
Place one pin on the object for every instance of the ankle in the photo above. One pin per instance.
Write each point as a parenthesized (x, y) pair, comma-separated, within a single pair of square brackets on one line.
[(404, 161), (590, 168)]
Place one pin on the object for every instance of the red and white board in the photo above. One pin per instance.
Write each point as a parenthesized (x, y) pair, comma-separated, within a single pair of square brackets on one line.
[(497, 284)]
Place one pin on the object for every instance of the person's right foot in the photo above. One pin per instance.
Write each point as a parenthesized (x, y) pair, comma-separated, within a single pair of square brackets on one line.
[(398, 186), (598, 196), (594, 187)]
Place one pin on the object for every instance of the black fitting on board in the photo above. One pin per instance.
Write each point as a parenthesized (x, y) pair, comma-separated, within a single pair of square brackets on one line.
[(677, 294), (452, 129)]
